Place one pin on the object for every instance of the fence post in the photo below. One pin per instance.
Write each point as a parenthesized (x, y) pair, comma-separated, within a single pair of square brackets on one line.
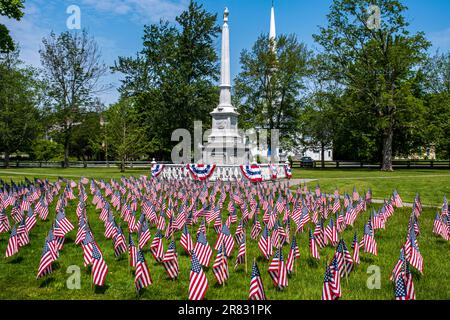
[(337, 164), (432, 163)]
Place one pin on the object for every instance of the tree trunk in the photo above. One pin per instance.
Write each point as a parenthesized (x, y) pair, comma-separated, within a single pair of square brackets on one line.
[(322, 155), (387, 148), (122, 165), (6, 159), (66, 154)]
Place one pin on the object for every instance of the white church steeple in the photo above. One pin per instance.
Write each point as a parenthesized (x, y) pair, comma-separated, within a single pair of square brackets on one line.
[(273, 33)]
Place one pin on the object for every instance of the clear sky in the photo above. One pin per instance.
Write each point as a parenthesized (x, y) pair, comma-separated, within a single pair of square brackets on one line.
[(118, 24)]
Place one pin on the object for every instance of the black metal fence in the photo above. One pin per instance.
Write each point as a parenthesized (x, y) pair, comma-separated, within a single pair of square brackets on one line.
[(397, 164), (77, 164)]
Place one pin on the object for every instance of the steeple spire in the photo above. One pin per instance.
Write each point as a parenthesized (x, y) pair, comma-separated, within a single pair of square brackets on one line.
[(272, 34)]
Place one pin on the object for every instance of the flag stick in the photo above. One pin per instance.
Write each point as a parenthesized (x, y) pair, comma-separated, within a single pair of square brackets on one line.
[(245, 257)]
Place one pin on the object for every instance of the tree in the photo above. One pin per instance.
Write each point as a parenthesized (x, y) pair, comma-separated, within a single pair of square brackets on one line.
[(46, 150), (125, 137), (172, 78), (267, 89), (436, 89), (376, 65), (12, 9), (18, 100), (319, 115), (87, 137), (73, 68)]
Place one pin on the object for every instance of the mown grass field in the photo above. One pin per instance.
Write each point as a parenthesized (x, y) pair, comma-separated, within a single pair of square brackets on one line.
[(17, 274)]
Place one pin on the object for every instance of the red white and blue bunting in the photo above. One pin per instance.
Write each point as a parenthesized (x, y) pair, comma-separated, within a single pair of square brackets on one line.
[(288, 171), (201, 171), (156, 169), (273, 171), (252, 172)]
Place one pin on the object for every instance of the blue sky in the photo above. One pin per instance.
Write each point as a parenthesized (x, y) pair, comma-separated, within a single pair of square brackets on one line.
[(117, 24)]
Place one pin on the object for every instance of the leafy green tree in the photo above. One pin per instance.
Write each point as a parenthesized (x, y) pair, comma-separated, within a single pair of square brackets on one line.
[(318, 120), (267, 89), (18, 113), (87, 138), (72, 69), (377, 66), (172, 78), (12, 9), (436, 89), (125, 137), (46, 150)]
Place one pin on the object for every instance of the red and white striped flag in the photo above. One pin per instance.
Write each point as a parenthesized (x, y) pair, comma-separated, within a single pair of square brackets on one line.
[(198, 283)]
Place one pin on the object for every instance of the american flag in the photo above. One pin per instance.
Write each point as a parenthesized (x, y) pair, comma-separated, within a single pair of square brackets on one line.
[(355, 247), (412, 252), (278, 271), (331, 283), (88, 244), (157, 247), (265, 244), (13, 243), (142, 277), (397, 200), (203, 250), (369, 243), (225, 237), (170, 261), (186, 240), (144, 235), (294, 254), (99, 267), (119, 242), (81, 233), (313, 246), (256, 284), (22, 234), (242, 254), (198, 283), (404, 288), (64, 223), (331, 235), (343, 258), (256, 229), (220, 266), (319, 234), (30, 220), (4, 222), (47, 258), (132, 251)]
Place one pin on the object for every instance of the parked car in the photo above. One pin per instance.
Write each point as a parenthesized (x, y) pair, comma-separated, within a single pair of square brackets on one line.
[(306, 162)]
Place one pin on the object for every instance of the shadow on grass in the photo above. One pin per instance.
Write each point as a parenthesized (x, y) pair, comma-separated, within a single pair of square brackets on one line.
[(313, 263), (16, 260), (367, 259), (101, 290), (45, 283)]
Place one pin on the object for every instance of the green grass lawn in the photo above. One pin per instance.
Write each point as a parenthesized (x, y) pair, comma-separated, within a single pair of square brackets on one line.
[(17, 274)]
